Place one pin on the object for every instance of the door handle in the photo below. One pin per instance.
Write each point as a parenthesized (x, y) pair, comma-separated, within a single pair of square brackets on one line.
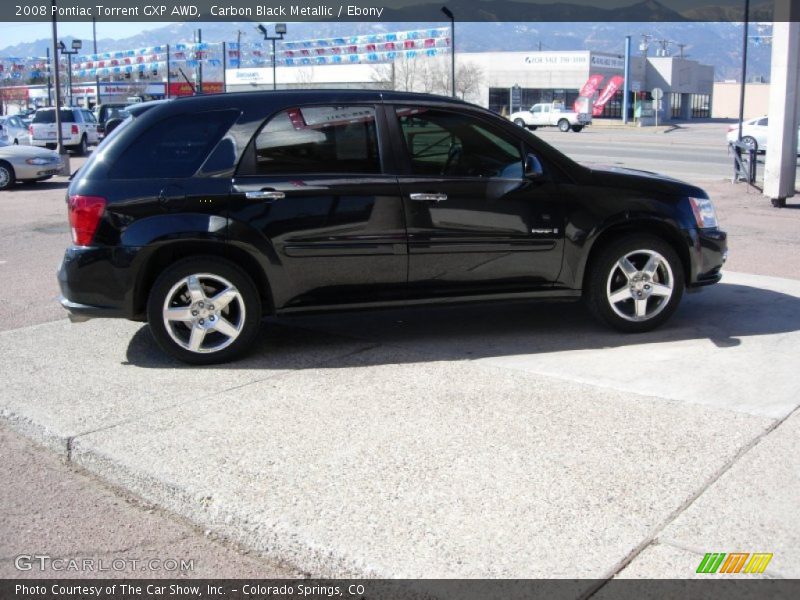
[(428, 197), (265, 195)]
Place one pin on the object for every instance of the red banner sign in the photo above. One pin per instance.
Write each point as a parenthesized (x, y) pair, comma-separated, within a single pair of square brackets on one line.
[(611, 88)]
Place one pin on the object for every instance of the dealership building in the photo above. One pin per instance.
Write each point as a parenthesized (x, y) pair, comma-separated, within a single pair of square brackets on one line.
[(545, 76)]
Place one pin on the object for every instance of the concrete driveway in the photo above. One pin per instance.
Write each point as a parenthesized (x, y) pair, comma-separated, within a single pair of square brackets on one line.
[(501, 441)]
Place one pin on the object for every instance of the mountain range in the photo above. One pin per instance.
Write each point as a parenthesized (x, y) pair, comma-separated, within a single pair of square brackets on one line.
[(714, 43)]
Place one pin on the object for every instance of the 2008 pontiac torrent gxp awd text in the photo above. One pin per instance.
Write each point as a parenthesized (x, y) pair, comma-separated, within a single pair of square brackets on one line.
[(202, 215)]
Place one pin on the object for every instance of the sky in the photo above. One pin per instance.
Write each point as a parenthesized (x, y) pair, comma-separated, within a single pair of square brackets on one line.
[(15, 33)]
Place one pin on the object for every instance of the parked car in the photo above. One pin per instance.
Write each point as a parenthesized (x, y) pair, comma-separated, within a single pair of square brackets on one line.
[(14, 130), (552, 114), (28, 164), (201, 215), (107, 111), (78, 129), (755, 134)]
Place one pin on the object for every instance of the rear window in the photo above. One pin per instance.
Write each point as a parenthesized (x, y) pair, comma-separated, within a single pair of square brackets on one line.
[(174, 147), (49, 116)]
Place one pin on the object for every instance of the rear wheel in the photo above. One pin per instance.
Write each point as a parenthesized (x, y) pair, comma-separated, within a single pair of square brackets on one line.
[(750, 142), (635, 284), (563, 125), (7, 176), (204, 310), (83, 147)]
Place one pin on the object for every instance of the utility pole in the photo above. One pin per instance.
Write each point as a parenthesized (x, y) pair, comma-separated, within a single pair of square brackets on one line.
[(199, 63), (49, 79), (645, 45), (96, 76), (744, 65), (239, 34), (59, 136), (681, 47)]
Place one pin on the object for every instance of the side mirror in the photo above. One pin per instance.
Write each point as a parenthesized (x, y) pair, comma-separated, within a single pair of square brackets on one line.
[(533, 168)]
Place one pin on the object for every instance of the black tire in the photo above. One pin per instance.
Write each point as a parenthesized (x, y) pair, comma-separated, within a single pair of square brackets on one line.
[(750, 142), (83, 147), (577, 128), (16, 142), (532, 127), (563, 125), (605, 276), (244, 311), (7, 176), (519, 122)]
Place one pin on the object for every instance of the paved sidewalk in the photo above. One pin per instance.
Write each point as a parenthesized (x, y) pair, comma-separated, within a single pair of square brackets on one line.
[(406, 444)]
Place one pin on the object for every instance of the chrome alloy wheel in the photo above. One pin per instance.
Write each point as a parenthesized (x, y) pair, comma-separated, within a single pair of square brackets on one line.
[(204, 313), (640, 285), (5, 177)]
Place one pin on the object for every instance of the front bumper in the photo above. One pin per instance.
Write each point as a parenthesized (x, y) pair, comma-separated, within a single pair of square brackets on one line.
[(709, 250)]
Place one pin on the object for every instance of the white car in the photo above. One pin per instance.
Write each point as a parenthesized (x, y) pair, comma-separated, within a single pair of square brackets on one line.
[(755, 133), (26, 163), (14, 131), (78, 129)]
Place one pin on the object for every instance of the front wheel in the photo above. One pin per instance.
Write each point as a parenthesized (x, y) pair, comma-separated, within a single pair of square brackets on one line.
[(519, 122), (204, 310), (635, 284), (7, 176), (563, 125)]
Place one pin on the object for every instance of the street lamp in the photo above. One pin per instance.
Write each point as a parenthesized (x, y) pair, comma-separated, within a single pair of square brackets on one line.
[(449, 14), (76, 46), (280, 31)]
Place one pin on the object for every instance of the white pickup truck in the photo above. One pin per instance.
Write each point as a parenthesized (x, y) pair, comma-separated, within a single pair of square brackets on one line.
[(551, 115)]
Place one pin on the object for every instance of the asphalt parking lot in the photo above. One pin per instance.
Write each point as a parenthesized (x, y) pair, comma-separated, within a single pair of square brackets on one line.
[(494, 441)]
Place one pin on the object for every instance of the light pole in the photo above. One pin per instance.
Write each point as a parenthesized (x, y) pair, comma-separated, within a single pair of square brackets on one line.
[(75, 47), (280, 31), (449, 14), (57, 76)]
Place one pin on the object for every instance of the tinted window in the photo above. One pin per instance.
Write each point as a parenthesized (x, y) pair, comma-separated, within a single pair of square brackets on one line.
[(763, 122), (49, 116), (445, 143), (329, 139), (88, 117), (174, 147)]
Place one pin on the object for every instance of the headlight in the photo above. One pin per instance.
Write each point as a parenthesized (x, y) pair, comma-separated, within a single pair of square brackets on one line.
[(704, 213), (39, 161)]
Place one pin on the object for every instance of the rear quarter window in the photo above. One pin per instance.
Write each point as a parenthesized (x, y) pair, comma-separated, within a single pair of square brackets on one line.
[(174, 147)]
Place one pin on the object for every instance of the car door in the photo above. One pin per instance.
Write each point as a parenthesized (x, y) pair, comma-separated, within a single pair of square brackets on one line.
[(477, 224), (90, 124), (537, 115), (313, 185)]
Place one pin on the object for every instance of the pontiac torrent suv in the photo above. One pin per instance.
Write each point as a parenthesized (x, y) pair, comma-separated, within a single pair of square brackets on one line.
[(202, 215)]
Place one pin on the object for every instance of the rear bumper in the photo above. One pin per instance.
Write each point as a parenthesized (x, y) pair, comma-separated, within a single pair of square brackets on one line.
[(97, 282)]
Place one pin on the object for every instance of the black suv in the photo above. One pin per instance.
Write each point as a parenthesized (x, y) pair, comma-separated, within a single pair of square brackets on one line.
[(202, 215)]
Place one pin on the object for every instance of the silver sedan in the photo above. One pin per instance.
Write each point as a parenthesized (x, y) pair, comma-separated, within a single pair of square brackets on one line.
[(27, 163)]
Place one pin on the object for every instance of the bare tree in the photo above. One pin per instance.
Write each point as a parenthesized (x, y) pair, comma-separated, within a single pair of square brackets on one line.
[(305, 78), (469, 78), (383, 76)]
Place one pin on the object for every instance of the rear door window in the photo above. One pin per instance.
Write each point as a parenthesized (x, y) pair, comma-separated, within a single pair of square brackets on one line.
[(174, 147), (320, 139)]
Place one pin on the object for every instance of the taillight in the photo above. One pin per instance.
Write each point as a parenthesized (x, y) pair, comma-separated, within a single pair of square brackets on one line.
[(74, 130), (84, 215)]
